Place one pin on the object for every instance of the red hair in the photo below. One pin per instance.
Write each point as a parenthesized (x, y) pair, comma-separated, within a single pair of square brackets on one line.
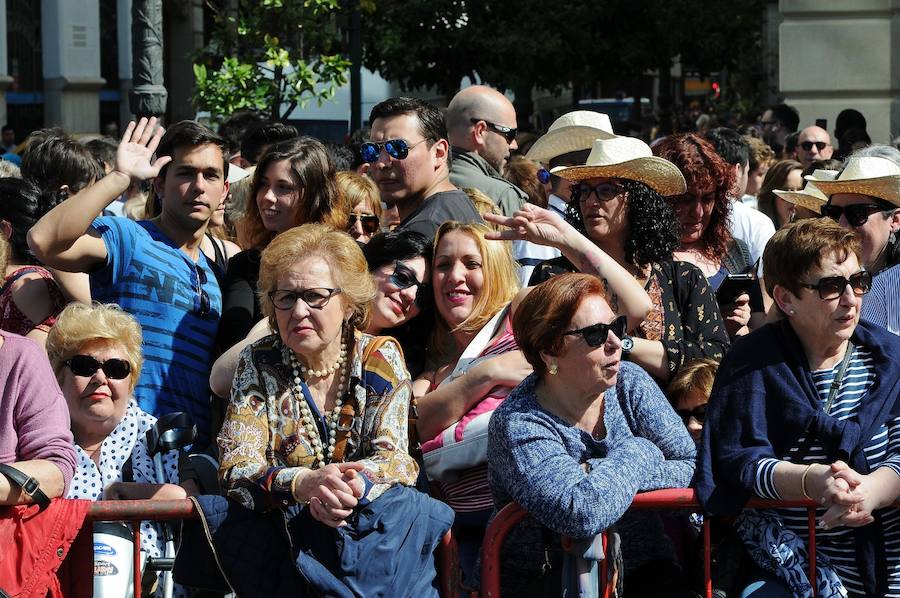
[(702, 168)]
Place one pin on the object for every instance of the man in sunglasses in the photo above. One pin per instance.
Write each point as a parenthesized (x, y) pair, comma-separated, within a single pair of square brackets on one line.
[(481, 123), (153, 269), (409, 160), (813, 144)]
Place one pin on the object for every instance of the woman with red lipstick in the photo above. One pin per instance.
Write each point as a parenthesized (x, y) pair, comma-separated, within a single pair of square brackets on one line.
[(807, 408), (95, 351), (294, 183)]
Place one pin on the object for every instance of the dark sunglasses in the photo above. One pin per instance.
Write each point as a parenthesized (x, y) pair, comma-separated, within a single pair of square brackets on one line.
[(856, 214), (403, 277), (203, 305), (808, 145), (397, 149), (832, 287), (698, 413), (508, 132), (86, 366), (368, 222), (597, 334), (604, 191), (315, 298)]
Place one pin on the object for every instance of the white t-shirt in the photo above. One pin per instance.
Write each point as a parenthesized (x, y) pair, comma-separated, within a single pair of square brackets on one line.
[(528, 255), (753, 228)]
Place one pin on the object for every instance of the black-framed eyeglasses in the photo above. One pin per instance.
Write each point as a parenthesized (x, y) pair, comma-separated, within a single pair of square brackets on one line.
[(597, 334), (509, 133), (368, 222), (397, 149), (856, 214), (832, 287), (808, 145), (203, 305), (404, 277), (698, 413), (86, 366), (603, 191), (315, 298)]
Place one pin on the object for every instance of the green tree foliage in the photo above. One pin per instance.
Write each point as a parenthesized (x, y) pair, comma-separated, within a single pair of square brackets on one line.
[(517, 45), (269, 56)]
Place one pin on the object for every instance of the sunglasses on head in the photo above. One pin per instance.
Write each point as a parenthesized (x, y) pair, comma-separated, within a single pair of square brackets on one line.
[(509, 133), (368, 222), (856, 214), (86, 366), (832, 287), (698, 413), (397, 149), (808, 145), (603, 191), (597, 334)]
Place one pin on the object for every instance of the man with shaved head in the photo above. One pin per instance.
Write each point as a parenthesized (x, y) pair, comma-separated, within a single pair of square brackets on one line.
[(481, 127), (813, 144)]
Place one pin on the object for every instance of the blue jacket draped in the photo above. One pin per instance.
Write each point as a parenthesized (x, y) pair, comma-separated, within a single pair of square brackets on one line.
[(764, 400)]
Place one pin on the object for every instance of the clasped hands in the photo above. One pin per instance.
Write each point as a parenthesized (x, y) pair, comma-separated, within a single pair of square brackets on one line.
[(849, 496), (332, 491)]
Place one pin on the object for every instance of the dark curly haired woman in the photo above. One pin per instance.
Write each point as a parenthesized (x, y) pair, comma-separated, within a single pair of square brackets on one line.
[(617, 203), (703, 212)]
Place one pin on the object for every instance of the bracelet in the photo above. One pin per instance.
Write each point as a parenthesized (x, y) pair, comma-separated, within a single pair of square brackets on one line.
[(803, 482)]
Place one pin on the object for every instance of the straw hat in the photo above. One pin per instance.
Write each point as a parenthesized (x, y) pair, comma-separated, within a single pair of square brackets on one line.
[(810, 197), (571, 132), (868, 175), (627, 158)]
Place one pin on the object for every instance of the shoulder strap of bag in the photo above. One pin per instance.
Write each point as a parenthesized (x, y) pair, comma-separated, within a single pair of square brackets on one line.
[(832, 394), (350, 407)]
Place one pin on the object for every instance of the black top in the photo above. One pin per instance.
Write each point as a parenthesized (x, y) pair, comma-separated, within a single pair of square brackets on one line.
[(240, 305), (685, 317), (438, 209)]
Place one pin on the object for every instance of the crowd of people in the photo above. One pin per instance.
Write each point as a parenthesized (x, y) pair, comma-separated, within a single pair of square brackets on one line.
[(382, 341)]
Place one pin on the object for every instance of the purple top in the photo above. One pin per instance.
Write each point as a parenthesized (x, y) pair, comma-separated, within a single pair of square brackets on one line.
[(34, 418)]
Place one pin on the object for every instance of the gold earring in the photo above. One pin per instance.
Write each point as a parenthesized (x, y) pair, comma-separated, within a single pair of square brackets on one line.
[(553, 369)]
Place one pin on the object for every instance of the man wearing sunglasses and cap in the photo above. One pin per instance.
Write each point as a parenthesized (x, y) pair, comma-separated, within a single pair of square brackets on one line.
[(481, 123), (409, 160)]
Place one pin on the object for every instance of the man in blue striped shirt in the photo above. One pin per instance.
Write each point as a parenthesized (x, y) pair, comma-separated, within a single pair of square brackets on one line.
[(882, 305), (153, 269)]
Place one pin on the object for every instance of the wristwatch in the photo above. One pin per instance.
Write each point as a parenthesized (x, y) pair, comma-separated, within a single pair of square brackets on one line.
[(28, 484), (627, 345)]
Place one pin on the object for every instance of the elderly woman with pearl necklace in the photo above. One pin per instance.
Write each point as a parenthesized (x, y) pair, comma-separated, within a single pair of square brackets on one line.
[(318, 416)]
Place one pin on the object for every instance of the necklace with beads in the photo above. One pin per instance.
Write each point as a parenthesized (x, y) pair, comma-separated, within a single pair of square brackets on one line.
[(300, 373)]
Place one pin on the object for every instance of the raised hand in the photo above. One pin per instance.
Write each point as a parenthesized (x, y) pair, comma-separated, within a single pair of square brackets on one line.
[(534, 224), (136, 150)]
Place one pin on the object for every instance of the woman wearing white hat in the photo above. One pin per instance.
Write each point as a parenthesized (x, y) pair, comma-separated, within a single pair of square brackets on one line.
[(617, 204), (866, 197)]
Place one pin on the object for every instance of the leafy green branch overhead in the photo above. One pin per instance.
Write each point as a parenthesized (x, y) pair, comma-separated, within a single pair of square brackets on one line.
[(270, 56)]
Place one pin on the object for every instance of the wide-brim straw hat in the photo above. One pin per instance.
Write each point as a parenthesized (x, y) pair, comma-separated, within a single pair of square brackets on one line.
[(810, 197), (866, 175), (572, 132), (627, 158)]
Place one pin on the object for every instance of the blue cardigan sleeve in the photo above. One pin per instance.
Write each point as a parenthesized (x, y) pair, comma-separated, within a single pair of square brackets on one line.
[(530, 461)]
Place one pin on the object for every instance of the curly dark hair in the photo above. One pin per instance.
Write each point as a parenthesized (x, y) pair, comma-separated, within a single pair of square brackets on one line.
[(702, 168), (652, 225)]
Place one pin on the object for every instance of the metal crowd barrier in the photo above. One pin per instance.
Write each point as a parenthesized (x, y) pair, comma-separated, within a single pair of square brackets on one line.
[(675, 498)]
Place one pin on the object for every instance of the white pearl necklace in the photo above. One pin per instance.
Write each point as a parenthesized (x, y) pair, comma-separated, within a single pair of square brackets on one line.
[(306, 418)]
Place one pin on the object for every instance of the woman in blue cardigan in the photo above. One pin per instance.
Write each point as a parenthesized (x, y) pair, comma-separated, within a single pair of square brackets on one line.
[(808, 407)]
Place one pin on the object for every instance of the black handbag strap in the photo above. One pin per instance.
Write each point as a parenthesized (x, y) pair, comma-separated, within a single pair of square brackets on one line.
[(803, 449), (27, 483)]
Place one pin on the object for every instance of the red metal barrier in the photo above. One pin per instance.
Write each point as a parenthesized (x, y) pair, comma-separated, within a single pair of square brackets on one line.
[(674, 498)]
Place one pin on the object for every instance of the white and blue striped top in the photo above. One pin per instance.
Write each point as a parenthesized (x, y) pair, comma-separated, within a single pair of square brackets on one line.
[(882, 304), (883, 450)]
